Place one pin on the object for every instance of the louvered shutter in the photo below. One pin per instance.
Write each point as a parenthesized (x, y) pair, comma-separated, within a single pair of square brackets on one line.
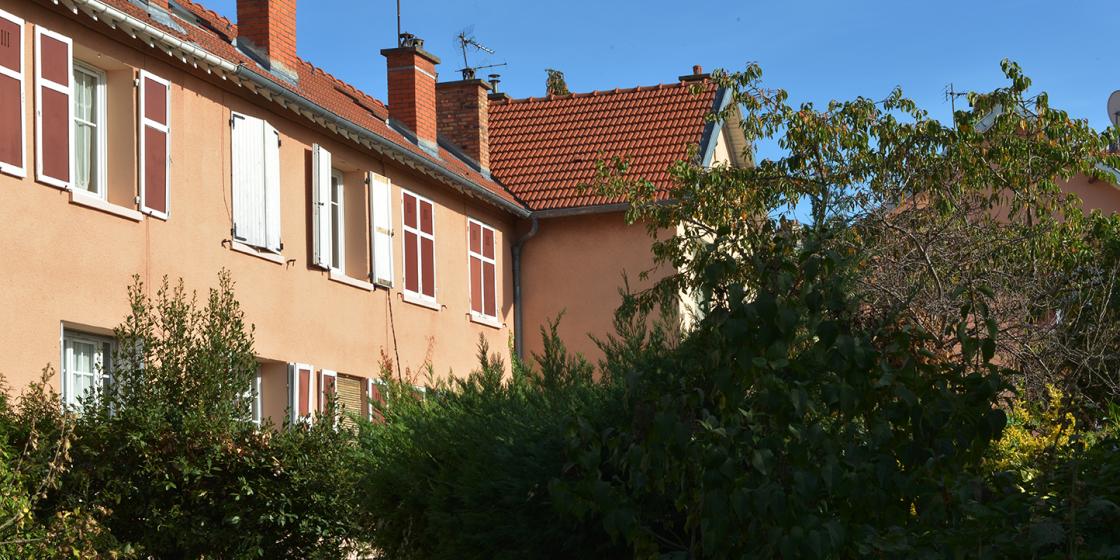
[(381, 229), (155, 143), (320, 206), (12, 103), (247, 162), (349, 395), (427, 250), (272, 188), (301, 378), (327, 381), (54, 141)]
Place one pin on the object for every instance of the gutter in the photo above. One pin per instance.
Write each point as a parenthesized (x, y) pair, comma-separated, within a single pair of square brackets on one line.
[(518, 313), (135, 27)]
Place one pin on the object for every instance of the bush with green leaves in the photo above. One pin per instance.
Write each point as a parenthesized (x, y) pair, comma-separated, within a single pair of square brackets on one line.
[(167, 461), (463, 472)]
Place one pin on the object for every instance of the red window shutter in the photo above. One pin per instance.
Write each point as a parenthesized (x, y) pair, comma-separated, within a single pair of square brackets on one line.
[(53, 88), (488, 289), (409, 210), (12, 106), (428, 266), (155, 136), (327, 381), (476, 284), (411, 262), (488, 243), (304, 387), (374, 399), (426, 225), (476, 238)]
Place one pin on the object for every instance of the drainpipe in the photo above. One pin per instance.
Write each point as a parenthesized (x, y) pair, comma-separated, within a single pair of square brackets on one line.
[(518, 320)]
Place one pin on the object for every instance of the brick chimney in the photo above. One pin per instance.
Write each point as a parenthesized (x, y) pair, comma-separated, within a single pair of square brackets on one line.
[(463, 114), (267, 31), (412, 90)]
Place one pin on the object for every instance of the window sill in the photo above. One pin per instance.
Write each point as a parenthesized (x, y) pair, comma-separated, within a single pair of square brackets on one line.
[(417, 299), (491, 322), (260, 254), (342, 278), (90, 201)]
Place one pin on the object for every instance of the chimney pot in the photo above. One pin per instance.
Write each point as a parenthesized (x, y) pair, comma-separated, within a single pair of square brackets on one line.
[(697, 70), (267, 31)]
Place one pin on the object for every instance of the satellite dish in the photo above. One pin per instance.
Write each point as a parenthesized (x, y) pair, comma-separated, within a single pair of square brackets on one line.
[(1114, 108)]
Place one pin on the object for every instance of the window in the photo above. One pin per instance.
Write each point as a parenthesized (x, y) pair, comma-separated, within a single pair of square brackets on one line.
[(483, 268), (89, 129), (419, 248), (255, 166), (85, 367), (338, 222)]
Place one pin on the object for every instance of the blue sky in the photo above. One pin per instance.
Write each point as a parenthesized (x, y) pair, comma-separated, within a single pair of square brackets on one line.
[(817, 50)]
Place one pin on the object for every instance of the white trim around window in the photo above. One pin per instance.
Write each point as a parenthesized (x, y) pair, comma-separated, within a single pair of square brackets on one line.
[(481, 316), (418, 296), (97, 122), (86, 366)]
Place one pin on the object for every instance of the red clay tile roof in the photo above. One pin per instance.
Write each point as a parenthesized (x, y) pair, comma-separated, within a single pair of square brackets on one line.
[(545, 150), (215, 34)]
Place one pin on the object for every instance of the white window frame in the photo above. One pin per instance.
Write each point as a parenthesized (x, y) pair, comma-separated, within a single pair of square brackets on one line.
[(293, 393), (100, 157), (19, 76), (105, 347), (255, 402), (166, 130), (481, 316), (419, 297), (338, 227)]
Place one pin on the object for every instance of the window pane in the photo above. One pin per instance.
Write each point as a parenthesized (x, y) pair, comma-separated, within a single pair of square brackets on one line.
[(85, 92), (84, 162)]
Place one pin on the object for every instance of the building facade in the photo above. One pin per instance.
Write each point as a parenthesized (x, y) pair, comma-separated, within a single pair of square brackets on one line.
[(155, 139)]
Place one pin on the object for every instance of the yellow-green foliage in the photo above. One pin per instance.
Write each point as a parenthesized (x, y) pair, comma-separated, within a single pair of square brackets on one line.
[(1035, 431)]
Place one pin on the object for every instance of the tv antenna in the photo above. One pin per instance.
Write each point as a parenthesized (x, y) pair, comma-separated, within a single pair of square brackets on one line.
[(467, 42)]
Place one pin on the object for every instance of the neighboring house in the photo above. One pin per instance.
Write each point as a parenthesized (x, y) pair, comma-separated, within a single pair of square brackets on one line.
[(579, 246), (155, 138)]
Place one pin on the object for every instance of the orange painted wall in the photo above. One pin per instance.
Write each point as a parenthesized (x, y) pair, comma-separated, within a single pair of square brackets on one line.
[(67, 263), (576, 265)]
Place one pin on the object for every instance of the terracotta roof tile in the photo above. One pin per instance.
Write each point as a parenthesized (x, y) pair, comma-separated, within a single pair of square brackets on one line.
[(545, 149)]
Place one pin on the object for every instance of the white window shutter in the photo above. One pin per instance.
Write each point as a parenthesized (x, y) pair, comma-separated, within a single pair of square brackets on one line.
[(320, 206), (155, 144), (301, 392), (381, 229), (247, 159), (272, 187)]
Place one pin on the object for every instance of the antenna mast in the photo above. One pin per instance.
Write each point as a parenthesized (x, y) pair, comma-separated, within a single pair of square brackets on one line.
[(467, 41), (398, 22)]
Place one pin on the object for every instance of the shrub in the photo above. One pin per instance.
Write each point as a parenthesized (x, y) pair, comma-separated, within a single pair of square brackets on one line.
[(464, 472)]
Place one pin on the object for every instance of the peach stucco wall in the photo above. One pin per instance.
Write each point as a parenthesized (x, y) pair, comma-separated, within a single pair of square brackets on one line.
[(69, 264), (1096, 195), (577, 265)]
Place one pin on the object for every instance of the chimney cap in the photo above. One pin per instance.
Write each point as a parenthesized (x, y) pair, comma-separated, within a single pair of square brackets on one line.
[(696, 75), (412, 44)]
